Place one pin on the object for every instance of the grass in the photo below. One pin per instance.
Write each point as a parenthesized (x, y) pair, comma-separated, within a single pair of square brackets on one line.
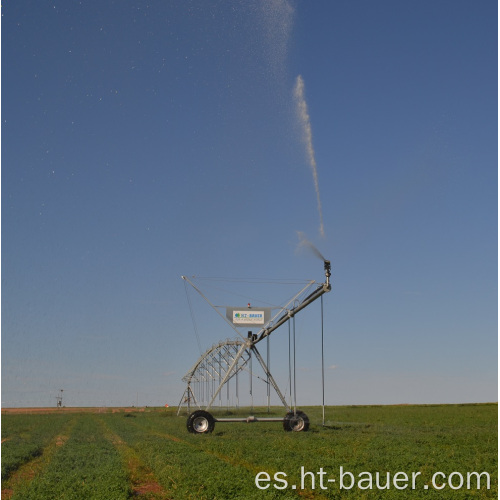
[(150, 454), (25, 436)]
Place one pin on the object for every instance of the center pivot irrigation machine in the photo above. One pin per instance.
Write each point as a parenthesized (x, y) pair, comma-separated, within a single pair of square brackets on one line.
[(225, 360)]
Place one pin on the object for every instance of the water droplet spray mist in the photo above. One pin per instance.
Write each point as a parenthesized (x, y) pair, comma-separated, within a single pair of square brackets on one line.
[(305, 124)]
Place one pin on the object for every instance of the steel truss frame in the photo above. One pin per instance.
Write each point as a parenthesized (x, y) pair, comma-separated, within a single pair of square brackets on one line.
[(223, 361)]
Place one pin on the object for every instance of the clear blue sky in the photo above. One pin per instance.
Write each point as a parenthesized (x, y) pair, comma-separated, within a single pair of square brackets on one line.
[(142, 141)]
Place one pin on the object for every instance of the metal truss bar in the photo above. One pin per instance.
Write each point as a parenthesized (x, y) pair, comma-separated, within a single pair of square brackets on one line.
[(292, 312), (322, 289), (271, 378), (241, 351), (251, 419)]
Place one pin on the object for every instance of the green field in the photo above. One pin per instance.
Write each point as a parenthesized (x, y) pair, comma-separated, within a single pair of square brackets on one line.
[(150, 454)]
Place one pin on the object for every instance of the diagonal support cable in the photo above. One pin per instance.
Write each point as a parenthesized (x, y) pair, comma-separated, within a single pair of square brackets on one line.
[(213, 307)]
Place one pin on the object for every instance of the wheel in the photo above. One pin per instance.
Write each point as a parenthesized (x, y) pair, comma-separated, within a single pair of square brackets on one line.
[(200, 422), (296, 422)]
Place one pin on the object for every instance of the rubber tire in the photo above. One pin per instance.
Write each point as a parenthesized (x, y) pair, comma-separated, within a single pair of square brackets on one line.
[(200, 422), (298, 422)]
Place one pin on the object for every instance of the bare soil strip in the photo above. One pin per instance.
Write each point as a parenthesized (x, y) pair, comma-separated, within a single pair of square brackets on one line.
[(71, 409), (143, 481)]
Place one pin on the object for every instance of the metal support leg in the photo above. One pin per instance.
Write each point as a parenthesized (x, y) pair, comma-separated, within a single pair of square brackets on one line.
[(271, 379)]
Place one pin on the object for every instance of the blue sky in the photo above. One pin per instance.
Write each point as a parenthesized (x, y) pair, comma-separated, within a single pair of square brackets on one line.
[(142, 141)]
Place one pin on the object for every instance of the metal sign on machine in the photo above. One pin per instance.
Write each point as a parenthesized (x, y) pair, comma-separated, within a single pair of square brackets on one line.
[(248, 316)]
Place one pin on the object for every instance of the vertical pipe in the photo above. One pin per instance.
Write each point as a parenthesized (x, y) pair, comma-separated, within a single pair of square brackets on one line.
[(237, 392), (294, 372), (213, 382), (290, 362), (251, 381), (322, 361), (268, 382), (237, 389), (220, 379), (228, 388)]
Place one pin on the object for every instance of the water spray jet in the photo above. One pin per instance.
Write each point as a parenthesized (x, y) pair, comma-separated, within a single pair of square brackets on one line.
[(305, 122)]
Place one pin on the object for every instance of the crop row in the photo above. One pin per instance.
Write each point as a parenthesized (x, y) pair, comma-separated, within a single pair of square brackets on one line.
[(150, 454), (84, 465), (423, 439), (25, 436)]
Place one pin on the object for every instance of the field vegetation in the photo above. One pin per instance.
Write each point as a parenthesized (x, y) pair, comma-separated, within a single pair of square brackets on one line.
[(149, 454)]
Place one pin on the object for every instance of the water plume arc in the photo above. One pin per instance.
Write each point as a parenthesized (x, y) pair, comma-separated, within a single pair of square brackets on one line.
[(305, 124)]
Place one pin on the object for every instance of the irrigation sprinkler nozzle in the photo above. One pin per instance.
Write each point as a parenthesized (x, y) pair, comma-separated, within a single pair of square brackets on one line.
[(328, 272)]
